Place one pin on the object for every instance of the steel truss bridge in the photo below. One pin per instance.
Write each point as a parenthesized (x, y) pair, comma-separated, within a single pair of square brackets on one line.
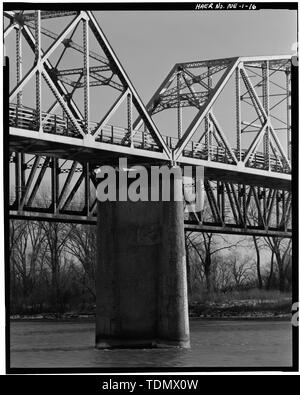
[(62, 69)]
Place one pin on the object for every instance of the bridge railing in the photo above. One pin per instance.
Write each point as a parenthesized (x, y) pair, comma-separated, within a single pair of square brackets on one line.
[(117, 135), (25, 118), (220, 154)]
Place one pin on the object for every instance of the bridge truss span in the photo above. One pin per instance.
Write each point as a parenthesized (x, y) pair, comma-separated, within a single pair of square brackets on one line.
[(73, 93), (72, 108), (229, 207), (234, 111)]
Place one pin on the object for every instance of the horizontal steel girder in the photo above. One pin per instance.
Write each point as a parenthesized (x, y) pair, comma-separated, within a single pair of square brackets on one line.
[(233, 207), (209, 228), (247, 188), (110, 145)]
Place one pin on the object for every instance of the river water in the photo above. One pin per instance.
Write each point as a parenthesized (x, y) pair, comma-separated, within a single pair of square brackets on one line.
[(214, 343)]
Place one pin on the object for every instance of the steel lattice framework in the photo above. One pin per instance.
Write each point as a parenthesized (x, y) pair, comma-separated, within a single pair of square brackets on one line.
[(57, 142), (198, 85)]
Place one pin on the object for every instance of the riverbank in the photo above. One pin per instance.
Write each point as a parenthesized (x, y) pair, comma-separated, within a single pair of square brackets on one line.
[(196, 312), (251, 304), (255, 304)]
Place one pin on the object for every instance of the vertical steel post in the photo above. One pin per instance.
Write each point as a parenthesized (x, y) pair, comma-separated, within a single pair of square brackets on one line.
[(38, 75), (265, 92), (18, 172), (259, 197), (218, 195), (207, 122), (54, 184), (86, 73), (283, 220), (19, 63), (223, 200), (238, 114), (208, 136), (244, 205), (23, 167), (288, 116), (146, 137), (264, 205), (210, 133), (111, 134), (277, 207), (179, 108), (129, 118), (20, 178), (87, 188)]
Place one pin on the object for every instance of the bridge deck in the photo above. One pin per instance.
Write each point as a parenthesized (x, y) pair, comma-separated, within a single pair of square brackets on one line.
[(59, 138)]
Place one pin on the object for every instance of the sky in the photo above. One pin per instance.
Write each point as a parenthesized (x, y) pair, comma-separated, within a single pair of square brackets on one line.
[(149, 43)]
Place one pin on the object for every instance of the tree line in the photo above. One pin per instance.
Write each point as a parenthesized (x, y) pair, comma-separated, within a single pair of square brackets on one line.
[(53, 265), (223, 264)]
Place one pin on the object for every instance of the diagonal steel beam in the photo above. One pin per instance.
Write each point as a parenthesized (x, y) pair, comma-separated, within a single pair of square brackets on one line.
[(55, 106), (66, 185), (110, 112), (73, 191), (9, 29), (29, 182), (270, 207), (232, 203), (45, 56), (281, 150), (39, 180), (201, 114), (212, 202), (72, 44), (102, 40), (222, 136), (152, 104), (263, 112), (255, 142), (259, 212), (237, 204), (31, 42), (62, 102)]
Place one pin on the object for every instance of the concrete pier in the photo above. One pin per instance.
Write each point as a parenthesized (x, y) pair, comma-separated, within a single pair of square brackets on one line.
[(141, 274)]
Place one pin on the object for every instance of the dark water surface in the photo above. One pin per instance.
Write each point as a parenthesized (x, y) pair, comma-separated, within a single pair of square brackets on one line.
[(213, 344)]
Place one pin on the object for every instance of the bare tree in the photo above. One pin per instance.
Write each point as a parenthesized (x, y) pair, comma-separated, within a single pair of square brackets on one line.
[(57, 235), (223, 277), (281, 248), (207, 245), (241, 269), (27, 252), (82, 245), (258, 269), (254, 221), (270, 276)]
